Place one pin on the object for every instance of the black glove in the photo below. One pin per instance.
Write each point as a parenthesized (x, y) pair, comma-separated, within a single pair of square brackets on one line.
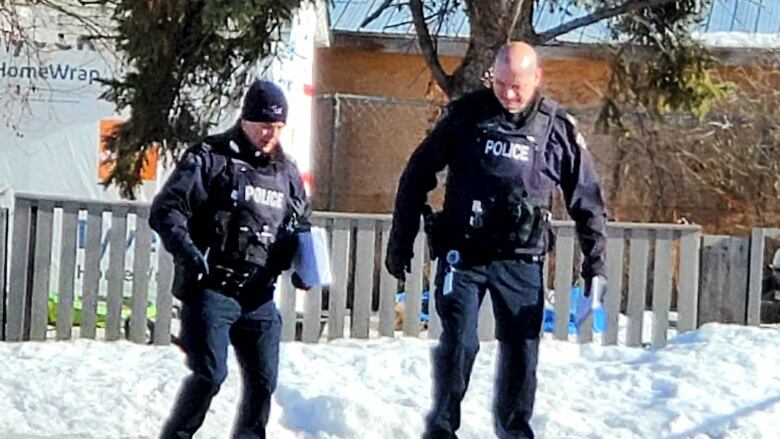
[(193, 261), (398, 263), (298, 282)]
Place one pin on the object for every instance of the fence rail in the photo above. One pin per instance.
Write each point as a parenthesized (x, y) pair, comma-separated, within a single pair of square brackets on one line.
[(654, 270)]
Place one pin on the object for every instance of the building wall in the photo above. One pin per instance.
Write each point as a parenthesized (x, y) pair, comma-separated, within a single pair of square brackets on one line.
[(573, 82), (375, 139), (359, 170)]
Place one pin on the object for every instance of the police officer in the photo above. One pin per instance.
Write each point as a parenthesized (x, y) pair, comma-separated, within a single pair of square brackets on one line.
[(506, 150), (229, 215)]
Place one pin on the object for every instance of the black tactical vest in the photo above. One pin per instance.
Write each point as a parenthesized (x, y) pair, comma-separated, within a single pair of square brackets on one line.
[(498, 197), (250, 209)]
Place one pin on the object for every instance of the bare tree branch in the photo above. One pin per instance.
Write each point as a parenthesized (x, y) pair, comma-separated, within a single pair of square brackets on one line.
[(399, 24), (427, 47), (377, 12), (601, 14), (515, 16)]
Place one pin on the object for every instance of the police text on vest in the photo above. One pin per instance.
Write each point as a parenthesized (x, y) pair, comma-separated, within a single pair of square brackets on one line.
[(266, 197), (516, 151)]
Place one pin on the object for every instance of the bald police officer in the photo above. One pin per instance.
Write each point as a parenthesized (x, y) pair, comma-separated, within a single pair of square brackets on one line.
[(506, 150)]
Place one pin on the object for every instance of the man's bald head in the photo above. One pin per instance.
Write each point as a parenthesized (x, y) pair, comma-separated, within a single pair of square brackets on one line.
[(517, 57), (517, 75)]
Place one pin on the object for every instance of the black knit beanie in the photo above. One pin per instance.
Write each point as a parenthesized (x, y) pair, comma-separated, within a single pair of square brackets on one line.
[(264, 102)]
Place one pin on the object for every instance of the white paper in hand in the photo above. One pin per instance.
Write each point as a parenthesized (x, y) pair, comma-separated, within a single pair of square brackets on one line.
[(311, 261)]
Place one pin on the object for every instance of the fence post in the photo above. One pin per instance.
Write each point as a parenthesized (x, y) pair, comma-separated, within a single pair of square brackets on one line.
[(162, 321), (287, 306), (413, 289), (662, 286), (116, 272), (735, 302), (91, 283), (637, 289), (337, 298), (615, 248), (714, 276), (364, 278), (3, 260), (141, 257), (41, 263), (20, 264), (688, 297), (388, 287), (755, 276), (65, 295), (564, 261)]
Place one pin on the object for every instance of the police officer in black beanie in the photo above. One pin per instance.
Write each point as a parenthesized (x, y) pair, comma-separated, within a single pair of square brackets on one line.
[(229, 215)]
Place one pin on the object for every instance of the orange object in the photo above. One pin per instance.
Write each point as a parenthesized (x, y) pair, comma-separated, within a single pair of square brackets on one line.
[(106, 158)]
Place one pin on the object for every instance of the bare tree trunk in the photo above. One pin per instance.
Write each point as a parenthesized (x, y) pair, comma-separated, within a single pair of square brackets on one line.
[(493, 23)]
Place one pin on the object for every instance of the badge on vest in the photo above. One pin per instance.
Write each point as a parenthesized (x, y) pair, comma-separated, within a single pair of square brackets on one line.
[(265, 197), (511, 150)]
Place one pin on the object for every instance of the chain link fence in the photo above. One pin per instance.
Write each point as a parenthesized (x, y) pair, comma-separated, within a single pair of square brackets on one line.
[(362, 145)]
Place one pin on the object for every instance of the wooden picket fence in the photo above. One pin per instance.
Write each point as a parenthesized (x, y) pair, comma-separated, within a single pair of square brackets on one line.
[(29, 286), (363, 290), (651, 267)]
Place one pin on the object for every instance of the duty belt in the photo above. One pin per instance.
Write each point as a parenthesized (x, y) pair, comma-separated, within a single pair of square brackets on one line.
[(471, 258), (228, 281)]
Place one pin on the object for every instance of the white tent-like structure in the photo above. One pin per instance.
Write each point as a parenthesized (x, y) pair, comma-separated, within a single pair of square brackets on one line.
[(51, 115), (51, 111)]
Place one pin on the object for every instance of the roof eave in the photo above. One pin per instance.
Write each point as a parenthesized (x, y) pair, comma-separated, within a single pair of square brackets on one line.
[(406, 44)]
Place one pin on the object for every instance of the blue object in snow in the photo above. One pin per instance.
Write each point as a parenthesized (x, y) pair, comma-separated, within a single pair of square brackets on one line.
[(424, 316), (578, 301)]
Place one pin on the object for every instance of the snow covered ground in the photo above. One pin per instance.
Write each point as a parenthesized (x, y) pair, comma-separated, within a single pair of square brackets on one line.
[(719, 382)]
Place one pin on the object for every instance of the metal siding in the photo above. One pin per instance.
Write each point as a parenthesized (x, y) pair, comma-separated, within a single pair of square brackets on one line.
[(761, 16), (746, 15), (769, 17), (721, 16)]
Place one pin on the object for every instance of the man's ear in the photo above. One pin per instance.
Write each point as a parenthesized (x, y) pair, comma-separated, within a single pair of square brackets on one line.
[(539, 77)]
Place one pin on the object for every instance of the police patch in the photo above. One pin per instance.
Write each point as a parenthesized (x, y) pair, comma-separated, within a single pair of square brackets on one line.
[(581, 140), (571, 120)]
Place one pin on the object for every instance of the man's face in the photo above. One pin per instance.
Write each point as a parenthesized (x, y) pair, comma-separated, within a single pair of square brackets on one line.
[(263, 135), (515, 88)]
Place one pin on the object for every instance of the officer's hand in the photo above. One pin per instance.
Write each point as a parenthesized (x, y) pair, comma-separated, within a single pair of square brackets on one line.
[(595, 289), (298, 282), (592, 298), (398, 264), (193, 261)]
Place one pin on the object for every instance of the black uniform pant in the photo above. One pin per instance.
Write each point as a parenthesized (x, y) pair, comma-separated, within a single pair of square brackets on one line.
[(209, 323), (517, 295)]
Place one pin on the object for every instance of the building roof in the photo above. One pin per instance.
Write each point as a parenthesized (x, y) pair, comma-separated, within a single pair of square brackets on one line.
[(742, 17)]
